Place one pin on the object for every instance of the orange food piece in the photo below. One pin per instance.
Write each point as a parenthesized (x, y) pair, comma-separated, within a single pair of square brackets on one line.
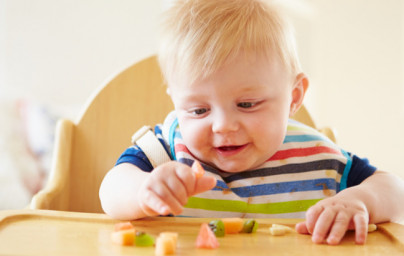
[(123, 226), (206, 238), (166, 243), (172, 235), (198, 169), (123, 237), (233, 225)]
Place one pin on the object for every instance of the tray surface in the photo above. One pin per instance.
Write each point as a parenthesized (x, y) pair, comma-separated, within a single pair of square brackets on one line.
[(36, 232)]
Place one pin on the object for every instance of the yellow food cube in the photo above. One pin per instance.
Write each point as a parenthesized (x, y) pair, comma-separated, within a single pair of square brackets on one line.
[(233, 225), (166, 243), (123, 237), (172, 235)]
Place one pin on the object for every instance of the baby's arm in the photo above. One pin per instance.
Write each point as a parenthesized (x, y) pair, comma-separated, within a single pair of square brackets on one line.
[(129, 193), (375, 200)]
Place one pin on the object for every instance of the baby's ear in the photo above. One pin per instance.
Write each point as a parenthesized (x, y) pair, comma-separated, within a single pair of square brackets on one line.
[(298, 91)]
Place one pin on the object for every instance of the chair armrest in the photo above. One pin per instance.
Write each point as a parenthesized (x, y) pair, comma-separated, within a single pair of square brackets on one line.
[(59, 174)]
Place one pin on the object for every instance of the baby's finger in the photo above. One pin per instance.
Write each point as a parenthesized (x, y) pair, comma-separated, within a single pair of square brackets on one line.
[(152, 204), (339, 228), (323, 225), (148, 211), (361, 228), (312, 215), (185, 175), (301, 228), (165, 199), (177, 188), (171, 200), (203, 184)]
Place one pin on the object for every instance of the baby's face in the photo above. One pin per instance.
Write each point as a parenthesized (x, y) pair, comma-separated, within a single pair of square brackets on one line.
[(236, 118)]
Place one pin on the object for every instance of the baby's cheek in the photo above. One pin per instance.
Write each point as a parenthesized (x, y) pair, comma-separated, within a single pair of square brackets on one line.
[(270, 140), (196, 141)]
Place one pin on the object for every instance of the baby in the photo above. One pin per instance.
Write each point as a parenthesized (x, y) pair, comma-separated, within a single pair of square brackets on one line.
[(234, 77)]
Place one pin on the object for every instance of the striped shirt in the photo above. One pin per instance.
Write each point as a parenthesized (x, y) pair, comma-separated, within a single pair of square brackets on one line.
[(307, 168)]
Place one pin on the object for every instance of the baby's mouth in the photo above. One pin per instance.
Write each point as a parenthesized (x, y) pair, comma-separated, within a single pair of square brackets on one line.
[(231, 149)]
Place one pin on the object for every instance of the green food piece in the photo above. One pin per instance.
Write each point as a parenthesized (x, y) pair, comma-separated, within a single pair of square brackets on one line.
[(143, 239), (250, 226), (217, 226)]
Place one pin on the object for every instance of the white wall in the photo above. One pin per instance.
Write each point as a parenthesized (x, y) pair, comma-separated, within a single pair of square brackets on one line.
[(2, 44), (60, 51), (354, 54)]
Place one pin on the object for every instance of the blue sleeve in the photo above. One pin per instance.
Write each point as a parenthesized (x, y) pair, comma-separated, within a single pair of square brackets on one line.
[(134, 155), (360, 170)]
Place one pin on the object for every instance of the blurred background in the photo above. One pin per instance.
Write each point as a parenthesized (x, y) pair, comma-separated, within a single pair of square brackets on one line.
[(55, 54)]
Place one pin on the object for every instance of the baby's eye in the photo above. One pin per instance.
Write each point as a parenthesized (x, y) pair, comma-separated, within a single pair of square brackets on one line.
[(199, 111), (246, 104)]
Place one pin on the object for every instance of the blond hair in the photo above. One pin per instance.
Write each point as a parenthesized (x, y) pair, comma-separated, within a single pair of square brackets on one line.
[(199, 36)]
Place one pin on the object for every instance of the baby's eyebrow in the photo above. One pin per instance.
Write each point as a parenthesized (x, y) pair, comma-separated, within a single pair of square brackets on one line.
[(194, 98), (198, 94), (253, 87)]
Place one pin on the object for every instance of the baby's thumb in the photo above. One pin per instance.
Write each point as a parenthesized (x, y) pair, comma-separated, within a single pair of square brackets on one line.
[(203, 184)]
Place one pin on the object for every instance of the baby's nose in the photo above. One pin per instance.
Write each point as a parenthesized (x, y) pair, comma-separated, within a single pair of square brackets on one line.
[(224, 123)]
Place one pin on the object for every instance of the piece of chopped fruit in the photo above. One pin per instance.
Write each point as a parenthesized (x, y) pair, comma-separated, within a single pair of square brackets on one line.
[(233, 225), (206, 238), (143, 239), (287, 228), (198, 169), (277, 231), (166, 243), (372, 227), (250, 226), (171, 235), (217, 226), (123, 226), (123, 237)]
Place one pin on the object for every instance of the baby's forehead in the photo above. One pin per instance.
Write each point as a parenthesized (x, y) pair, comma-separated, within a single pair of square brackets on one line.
[(249, 62)]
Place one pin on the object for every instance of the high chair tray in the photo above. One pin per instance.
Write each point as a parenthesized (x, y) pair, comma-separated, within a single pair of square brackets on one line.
[(38, 232)]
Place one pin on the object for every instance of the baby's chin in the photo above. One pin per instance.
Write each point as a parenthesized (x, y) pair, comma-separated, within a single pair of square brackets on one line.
[(235, 168), (239, 164)]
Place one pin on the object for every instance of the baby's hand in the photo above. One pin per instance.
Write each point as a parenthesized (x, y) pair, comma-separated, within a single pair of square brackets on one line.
[(168, 188), (329, 219)]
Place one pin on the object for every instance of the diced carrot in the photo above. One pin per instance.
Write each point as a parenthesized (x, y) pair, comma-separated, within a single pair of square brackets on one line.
[(233, 225), (198, 169), (166, 243), (123, 226), (123, 237), (172, 235), (206, 238)]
